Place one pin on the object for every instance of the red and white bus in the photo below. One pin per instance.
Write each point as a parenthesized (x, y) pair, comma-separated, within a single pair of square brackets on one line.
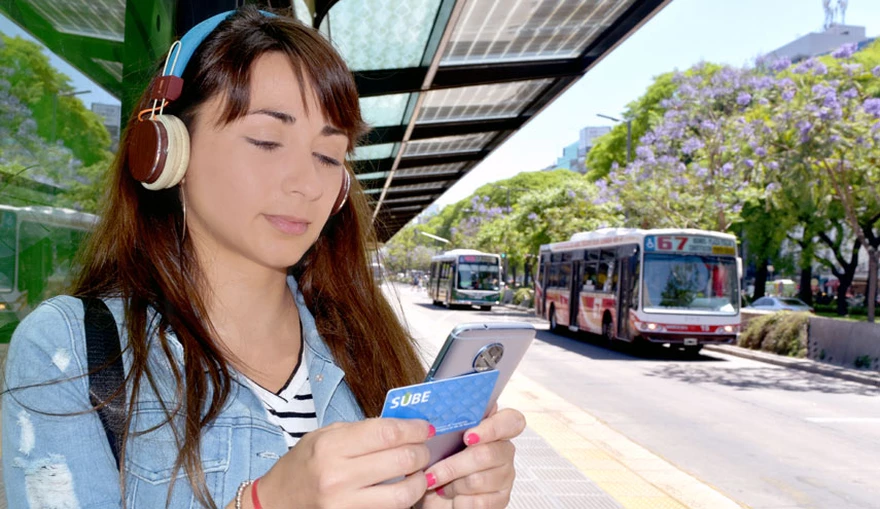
[(672, 286)]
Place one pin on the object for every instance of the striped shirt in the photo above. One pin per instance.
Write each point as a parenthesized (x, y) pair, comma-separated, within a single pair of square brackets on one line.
[(292, 407)]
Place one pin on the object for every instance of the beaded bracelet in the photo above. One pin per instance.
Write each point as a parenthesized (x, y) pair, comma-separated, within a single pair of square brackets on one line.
[(238, 494)]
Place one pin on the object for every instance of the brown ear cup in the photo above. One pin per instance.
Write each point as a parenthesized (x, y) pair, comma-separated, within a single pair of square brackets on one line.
[(159, 153), (342, 197)]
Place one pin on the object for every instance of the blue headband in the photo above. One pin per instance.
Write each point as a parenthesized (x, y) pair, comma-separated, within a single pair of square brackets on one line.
[(193, 39)]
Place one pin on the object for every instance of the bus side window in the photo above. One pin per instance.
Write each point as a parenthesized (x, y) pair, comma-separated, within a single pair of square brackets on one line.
[(636, 265), (564, 275), (589, 280)]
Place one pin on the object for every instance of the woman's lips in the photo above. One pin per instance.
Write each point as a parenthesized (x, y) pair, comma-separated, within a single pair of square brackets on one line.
[(289, 224)]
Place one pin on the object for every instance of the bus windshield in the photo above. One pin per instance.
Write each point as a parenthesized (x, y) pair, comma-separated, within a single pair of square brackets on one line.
[(478, 276), (702, 283)]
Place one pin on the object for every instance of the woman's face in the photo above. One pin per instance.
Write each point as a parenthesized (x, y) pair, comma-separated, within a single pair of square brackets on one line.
[(261, 188)]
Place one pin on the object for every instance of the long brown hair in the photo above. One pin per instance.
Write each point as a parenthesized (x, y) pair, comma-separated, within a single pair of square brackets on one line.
[(137, 253)]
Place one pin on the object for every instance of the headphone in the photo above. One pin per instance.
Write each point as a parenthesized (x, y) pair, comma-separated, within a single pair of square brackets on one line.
[(159, 150)]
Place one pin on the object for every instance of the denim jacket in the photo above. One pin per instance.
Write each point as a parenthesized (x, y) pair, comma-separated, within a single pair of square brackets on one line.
[(65, 460)]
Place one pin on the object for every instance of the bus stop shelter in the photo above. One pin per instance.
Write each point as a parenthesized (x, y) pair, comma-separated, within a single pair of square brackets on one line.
[(443, 82)]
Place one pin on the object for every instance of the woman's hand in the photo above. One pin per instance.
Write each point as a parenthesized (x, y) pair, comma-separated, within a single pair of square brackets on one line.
[(341, 466), (481, 475)]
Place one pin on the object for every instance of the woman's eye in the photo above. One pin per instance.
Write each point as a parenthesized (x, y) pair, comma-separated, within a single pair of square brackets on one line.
[(268, 146), (328, 161)]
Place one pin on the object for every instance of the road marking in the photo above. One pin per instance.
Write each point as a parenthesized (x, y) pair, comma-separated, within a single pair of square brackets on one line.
[(844, 420)]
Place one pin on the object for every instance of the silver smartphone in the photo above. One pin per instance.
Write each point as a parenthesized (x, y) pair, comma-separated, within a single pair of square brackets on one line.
[(475, 347)]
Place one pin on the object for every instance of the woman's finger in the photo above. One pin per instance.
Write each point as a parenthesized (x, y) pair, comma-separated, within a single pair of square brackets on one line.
[(399, 495), (389, 464), (503, 425), (471, 460), (496, 500), (373, 435), (497, 479)]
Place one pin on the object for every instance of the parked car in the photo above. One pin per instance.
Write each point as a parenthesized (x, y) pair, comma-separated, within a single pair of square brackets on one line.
[(781, 304)]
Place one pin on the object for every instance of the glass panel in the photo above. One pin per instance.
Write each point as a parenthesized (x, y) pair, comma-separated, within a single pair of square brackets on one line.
[(408, 199), (104, 19), (302, 12), (384, 110), (381, 34), (440, 169), (690, 282), (7, 250), (366, 152), (56, 146), (403, 209), (372, 176), (481, 102), (448, 144), (416, 187), (491, 31)]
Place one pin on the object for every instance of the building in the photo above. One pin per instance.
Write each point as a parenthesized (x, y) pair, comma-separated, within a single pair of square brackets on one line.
[(821, 43), (569, 159), (574, 156), (111, 113)]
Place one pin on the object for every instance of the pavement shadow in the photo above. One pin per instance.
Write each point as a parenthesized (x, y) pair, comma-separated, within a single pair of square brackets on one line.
[(597, 348), (757, 378)]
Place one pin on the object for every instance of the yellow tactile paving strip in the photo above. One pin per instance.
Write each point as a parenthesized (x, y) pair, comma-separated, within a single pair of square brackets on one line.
[(632, 475)]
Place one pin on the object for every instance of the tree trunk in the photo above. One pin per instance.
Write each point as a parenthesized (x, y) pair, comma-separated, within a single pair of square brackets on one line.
[(761, 280), (872, 283), (805, 293), (513, 271), (842, 306)]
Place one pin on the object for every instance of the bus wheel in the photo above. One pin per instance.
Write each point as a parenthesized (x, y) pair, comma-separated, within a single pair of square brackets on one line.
[(554, 326), (607, 331), (485, 308)]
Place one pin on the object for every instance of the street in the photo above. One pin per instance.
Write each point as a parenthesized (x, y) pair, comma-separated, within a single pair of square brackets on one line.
[(763, 435)]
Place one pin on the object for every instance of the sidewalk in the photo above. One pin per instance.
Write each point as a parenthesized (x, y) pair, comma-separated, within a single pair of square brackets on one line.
[(821, 368), (585, 456)]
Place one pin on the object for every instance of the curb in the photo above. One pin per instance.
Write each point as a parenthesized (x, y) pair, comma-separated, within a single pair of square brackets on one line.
[(851, 375)]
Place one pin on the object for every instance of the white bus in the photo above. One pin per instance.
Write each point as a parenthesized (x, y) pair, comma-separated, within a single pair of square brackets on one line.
[(465, 277), (38, 247), (678, 287)]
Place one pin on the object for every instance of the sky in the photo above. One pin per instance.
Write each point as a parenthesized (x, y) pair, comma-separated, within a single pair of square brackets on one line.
[(682, 34)]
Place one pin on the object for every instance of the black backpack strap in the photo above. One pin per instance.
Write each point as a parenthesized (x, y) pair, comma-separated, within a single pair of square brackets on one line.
[(106, 372)]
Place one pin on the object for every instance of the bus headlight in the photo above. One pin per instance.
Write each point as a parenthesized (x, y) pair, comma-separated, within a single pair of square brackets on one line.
[(729, 329), (2, 306), (650, 326)]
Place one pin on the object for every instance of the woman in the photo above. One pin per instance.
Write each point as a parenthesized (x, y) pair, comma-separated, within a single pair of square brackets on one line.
[(255, 341)]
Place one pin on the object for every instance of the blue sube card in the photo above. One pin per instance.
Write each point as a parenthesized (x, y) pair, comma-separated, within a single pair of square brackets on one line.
[(452, 404)]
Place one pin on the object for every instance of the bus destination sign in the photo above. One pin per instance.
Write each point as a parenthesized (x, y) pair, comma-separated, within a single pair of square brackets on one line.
[(690, 244), (477, 259)]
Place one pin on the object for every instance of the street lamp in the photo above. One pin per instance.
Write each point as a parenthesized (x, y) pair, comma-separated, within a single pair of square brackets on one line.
[(55, 105), (628, 134), (435, 237), (508, 189)]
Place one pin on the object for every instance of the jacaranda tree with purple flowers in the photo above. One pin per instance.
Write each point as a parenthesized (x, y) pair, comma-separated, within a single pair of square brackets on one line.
[(695, 168), (823, 129)]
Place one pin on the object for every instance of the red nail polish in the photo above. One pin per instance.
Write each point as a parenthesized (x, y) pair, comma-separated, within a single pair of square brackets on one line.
[(472, 439), (431, 430), (440, 492), (431, 480)]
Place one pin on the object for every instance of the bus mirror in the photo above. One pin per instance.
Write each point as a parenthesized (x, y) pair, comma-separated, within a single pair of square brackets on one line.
[(739, 267)]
